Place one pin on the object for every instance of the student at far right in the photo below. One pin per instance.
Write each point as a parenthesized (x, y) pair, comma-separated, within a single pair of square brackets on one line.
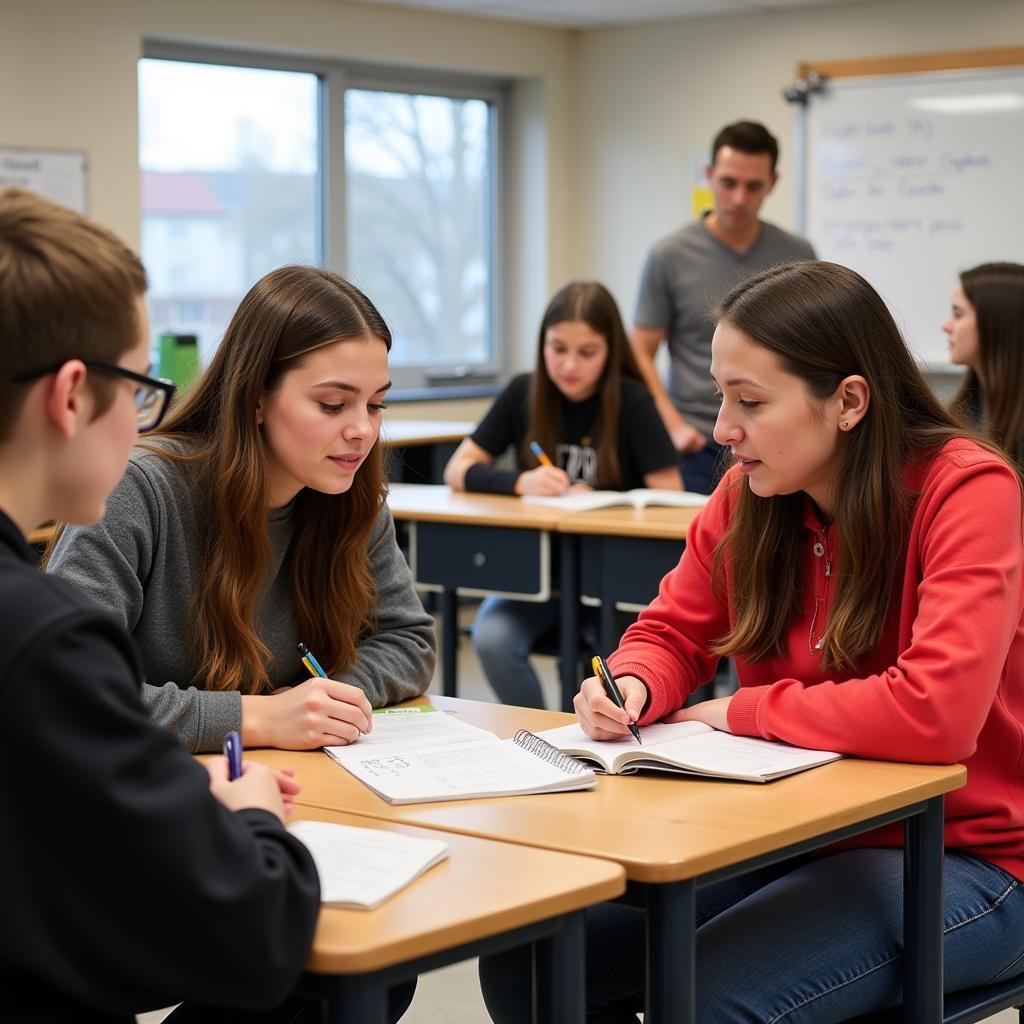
[(862, 563), (986, 334)]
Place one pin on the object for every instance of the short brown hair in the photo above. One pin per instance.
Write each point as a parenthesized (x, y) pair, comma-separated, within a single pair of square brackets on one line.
[(67, 291), (750, 137)]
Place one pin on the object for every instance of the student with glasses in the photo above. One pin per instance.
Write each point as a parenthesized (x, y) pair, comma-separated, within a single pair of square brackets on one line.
[(254, 520), (131, 877), (152, 394)]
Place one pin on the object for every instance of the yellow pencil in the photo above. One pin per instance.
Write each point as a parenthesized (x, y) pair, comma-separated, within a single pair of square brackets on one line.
[(542, 457)]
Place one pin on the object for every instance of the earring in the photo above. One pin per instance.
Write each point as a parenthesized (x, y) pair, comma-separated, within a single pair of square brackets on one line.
[(846, 424)]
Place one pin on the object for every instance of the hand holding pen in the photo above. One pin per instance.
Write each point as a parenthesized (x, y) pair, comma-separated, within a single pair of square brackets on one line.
[(608, 708), (547, 479), (252, 785)]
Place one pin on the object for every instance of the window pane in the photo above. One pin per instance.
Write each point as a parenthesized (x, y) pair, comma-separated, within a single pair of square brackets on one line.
[(418, 189), (230, 186)]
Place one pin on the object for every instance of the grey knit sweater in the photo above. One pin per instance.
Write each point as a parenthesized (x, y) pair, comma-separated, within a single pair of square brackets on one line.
[(141, 562)]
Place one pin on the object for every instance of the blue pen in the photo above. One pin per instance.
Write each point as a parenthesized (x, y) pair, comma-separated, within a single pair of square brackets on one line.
[(233, 752), (310, 662)]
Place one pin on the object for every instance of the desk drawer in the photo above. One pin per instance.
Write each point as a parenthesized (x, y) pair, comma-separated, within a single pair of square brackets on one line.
[(481, 560), (628, 570)]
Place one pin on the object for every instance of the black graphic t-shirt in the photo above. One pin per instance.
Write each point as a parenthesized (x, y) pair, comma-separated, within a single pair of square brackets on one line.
[(643, 443)]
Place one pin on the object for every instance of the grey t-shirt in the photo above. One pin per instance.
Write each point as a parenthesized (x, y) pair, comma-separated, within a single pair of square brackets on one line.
[(142, 561), (685, 277)]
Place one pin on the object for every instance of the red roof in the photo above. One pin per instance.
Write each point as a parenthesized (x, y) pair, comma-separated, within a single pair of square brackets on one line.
[(184, 192)]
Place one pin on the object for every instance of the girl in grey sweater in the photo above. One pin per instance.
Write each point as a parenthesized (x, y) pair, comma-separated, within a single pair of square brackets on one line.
[(254, 520)]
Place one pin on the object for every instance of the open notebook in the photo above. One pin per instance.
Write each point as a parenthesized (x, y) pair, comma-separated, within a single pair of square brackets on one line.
[(584, 501), (406, 728), (463, 770), (362, 867), (689, 748)]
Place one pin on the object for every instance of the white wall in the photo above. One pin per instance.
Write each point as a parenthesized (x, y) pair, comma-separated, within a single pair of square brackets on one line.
[(652, 97)]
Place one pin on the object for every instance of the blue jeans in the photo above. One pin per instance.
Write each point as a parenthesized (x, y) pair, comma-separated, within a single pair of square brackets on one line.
[(506, 632), (702, 470), (815, 943)]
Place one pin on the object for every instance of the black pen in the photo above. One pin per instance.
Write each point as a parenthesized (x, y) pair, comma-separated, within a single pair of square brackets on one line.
[(608, 682)]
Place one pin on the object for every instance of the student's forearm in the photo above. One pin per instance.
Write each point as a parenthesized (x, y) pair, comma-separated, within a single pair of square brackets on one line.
[(198, 718)]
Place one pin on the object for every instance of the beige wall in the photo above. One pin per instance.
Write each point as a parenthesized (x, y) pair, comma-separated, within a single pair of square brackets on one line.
[(653, 96), (605, 124), (68, 78)]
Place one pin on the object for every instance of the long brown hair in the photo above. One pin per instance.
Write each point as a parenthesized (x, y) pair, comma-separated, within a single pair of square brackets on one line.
[(996, 291), (824, 323), (593, 304), (286, 315)]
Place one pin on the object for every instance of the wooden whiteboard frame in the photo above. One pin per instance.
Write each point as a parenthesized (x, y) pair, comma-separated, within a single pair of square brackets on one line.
[(951, 60)]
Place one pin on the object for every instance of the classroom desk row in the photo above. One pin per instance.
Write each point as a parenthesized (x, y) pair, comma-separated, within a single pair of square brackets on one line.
[(482, 544), (669, 835), (484, 897)]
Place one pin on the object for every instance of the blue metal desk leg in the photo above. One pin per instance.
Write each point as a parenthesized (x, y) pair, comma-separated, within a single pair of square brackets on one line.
[(449, 642), (922, 915), (560, 974), (671, 953), (569, 640), (355, 998)]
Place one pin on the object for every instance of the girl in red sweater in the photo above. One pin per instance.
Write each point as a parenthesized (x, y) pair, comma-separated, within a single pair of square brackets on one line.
[(862, 563)]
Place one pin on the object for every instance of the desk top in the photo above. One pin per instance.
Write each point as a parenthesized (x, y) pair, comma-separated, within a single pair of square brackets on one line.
[(482, 888), (431, 503), (653, 522), (660, 828), (410, 433)]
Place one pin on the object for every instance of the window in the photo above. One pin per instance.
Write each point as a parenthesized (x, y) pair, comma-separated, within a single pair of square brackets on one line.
[(417, 170), (230, 186), (242, 165)]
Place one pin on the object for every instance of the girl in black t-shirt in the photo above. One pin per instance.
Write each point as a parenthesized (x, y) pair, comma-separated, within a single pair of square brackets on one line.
[(587, 408)]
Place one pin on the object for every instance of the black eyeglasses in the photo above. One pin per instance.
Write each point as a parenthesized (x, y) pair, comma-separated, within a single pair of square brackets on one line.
[(152, 396)]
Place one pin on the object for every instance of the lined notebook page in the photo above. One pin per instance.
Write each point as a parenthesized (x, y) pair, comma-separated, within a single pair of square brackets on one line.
[(362, 867)]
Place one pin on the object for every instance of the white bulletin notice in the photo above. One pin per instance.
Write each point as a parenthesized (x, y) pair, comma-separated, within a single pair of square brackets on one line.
[(57, 174)]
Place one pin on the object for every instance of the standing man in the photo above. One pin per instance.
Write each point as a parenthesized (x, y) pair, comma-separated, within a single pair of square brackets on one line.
[(685, 276)]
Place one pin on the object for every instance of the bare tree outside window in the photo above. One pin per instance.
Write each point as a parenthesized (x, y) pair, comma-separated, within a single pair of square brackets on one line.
[(418, 195)]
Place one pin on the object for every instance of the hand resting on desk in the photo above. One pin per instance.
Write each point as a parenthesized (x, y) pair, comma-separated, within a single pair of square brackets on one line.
[(315, 713)]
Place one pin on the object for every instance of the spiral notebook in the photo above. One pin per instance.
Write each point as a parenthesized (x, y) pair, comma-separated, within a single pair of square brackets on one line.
[(462, 771)]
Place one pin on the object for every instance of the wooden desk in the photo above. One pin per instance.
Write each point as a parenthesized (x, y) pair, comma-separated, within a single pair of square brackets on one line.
[(618, 557), (417, 433), (672, 834), (478, 544), (420, 449), (484, 897)]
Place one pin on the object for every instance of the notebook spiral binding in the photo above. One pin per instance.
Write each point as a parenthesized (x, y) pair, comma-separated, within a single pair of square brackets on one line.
[(546, 752)]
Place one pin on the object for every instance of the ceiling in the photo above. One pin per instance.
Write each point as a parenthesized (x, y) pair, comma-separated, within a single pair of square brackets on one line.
[(595, 13)]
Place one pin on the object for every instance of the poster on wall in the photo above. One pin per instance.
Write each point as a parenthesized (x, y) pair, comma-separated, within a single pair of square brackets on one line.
[(58, 174)]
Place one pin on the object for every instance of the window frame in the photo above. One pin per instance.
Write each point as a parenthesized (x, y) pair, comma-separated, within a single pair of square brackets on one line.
[(335, 76)]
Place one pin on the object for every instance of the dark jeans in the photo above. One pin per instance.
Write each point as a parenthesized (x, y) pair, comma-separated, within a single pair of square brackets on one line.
[(812, 941), (702, 470)]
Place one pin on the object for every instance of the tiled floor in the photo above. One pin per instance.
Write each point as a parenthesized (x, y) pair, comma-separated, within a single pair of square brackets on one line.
[(452, 995)]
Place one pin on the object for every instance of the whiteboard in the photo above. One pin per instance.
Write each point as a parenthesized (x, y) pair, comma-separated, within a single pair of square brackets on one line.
[(910, 179), (58, 174)]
